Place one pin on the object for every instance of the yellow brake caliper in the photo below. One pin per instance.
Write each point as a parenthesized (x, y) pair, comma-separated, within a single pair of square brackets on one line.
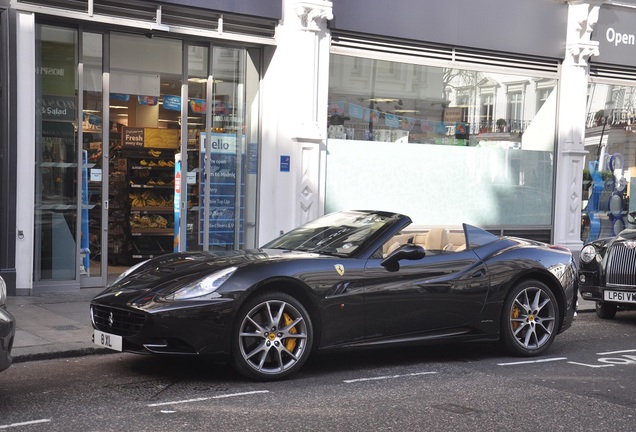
[(515, 315), (290, 343)]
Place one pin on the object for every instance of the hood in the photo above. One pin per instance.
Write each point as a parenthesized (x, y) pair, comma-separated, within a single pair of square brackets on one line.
[(627, 234), (165, 272), (603, 242)]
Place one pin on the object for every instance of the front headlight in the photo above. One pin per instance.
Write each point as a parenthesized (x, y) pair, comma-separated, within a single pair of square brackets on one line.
[(588, 254), (3, 292), (203, 287)]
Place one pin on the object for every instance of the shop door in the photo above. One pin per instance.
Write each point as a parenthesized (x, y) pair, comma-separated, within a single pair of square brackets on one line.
[(145, 121), (94, 169), (221, 166), (57, 161)]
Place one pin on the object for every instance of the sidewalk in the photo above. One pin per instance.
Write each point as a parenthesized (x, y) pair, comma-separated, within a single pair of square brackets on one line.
[(54, 325)]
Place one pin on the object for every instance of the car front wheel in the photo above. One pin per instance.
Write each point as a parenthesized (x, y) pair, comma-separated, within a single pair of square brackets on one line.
[(530, 319), (605, 310), (273, 337)]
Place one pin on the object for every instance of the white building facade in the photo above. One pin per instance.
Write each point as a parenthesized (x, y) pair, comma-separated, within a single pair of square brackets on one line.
[(198, 125)]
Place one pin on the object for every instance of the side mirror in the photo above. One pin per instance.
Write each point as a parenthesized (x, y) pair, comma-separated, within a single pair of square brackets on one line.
[(408, 252), (631, 217)]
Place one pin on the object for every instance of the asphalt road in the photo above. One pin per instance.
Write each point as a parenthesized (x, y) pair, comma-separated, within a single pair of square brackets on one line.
[(585, 382)]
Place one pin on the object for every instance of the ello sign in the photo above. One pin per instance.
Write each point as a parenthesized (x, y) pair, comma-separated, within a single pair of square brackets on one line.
[(222, 143)]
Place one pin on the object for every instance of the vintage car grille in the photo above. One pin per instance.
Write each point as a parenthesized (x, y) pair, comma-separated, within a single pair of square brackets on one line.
[(620, 266), (117, 321)]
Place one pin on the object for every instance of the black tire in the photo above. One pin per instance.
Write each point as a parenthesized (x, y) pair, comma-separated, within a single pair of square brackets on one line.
[(529, 319), (605, 310), (272, 338)]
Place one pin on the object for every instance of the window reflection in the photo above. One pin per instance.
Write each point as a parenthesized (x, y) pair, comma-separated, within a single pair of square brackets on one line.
[(485, 142), (609, 172)]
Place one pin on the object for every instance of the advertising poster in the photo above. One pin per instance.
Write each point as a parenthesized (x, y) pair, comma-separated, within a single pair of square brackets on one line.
[(177, 201), (220, 170)]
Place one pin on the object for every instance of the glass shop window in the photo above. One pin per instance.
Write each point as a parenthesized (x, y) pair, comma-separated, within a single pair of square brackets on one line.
[(609, 172), (442, 145)]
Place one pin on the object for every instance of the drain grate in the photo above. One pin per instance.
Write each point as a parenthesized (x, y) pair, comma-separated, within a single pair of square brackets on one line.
[(66, 327), (457, 409)]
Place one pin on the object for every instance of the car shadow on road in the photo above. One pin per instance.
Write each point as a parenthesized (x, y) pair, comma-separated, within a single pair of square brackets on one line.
[(200, 369), (325, 363)]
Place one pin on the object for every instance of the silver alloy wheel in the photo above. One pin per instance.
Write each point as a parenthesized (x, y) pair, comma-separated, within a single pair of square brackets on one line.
[(272, 337), (533, 318)]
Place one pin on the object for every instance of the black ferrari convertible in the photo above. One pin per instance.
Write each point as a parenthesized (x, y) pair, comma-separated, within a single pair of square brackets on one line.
[(352, 279)]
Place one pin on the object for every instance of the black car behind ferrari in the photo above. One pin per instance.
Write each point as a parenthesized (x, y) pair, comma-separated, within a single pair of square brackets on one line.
[(607, 272), (351, 279), (7, 329)]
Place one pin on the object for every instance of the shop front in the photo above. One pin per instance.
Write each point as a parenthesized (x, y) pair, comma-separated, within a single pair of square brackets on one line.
[(451, 124), (609, 176), (146, 140)]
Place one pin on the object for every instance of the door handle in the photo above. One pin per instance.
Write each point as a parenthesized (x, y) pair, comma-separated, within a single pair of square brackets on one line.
[(479, 273)]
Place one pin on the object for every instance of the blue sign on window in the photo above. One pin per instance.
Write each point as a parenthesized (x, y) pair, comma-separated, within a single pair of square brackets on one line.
[(284, 163), (219, 159)]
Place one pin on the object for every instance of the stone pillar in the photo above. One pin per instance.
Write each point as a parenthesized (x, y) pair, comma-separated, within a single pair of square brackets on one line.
[(582, 17), (312, 132), (295, 118)]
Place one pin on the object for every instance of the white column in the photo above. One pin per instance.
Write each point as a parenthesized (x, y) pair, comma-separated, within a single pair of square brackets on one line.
[(582, 17), (295, 92), (25, 178)]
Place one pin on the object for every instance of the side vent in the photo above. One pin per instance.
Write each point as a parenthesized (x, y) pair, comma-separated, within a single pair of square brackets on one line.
[(342, 42)]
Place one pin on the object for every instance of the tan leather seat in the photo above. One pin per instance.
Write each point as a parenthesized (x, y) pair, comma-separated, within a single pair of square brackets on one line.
[(420, 239), (456, 241), (395, 242), (436, 239)]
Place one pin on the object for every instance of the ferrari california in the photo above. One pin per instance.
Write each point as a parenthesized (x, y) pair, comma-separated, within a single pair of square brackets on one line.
[(607, 271), (347, 280)]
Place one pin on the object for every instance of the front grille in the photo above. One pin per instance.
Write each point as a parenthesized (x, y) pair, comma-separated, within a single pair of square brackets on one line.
[(621, 265), (117, 321)]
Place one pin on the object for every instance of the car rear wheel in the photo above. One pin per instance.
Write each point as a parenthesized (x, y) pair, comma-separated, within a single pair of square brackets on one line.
[(530, 318), (605, 310), (273, 338)]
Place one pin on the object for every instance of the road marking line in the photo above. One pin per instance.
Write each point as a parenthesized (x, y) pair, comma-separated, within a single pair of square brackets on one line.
[(27, 423), (592, 366), (532, 361), (387, 377), (207, 398), (616, 352)]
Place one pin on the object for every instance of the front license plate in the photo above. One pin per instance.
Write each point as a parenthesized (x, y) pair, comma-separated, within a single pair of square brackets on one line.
[(107, 340), (620, 296)]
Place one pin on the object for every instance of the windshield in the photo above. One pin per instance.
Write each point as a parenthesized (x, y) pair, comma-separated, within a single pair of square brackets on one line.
[(337, 233)]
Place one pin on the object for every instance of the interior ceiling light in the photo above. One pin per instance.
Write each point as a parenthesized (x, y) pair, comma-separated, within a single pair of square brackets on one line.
[(405, 111), (117, 107), (380, 100), (203, 80)]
